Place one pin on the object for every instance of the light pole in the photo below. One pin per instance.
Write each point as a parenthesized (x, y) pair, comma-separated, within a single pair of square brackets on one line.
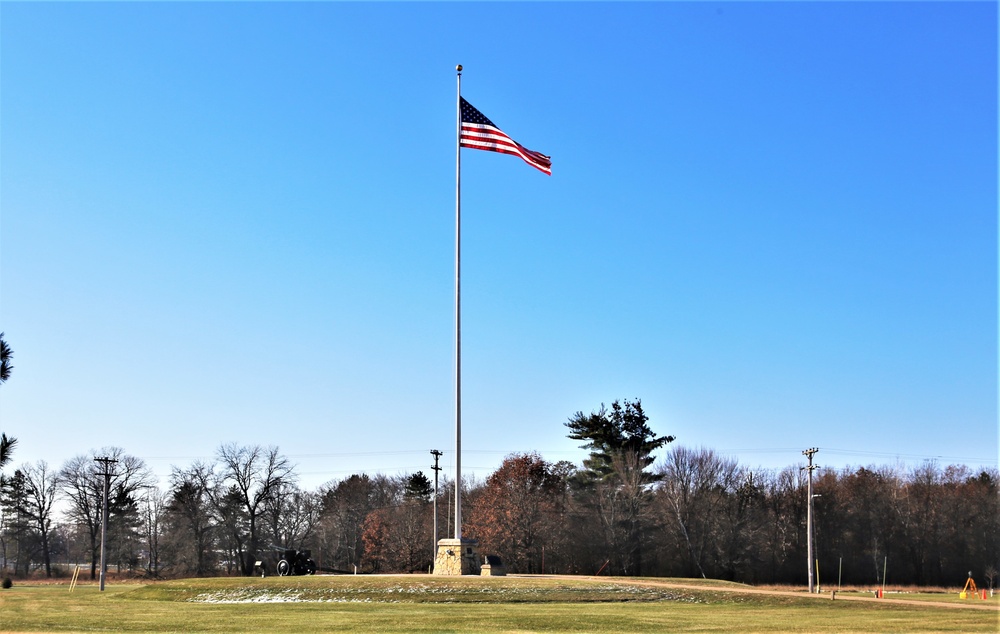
[(106, 463), (437, 454), (809, 517)]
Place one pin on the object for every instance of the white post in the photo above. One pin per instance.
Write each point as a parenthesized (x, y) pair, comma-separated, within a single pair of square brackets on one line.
[(885, 565), (458, 310)]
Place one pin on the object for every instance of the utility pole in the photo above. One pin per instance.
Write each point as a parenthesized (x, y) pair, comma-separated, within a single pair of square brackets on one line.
[(437, 454), (808, 453), (106, 463)]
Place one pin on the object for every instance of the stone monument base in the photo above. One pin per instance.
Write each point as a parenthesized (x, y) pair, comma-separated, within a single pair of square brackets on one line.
[(457, 557)]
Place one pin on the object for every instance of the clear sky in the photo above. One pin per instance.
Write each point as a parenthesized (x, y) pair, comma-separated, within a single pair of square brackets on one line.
[(775, 223)]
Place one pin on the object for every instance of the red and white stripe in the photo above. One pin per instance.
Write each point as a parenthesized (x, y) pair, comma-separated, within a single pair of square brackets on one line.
[(492, 139)]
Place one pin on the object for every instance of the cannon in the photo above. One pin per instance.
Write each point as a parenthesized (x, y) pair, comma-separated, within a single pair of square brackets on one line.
[(294, 562)]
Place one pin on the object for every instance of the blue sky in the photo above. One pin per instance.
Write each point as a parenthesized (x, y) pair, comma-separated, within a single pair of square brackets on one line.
[(775, 223)]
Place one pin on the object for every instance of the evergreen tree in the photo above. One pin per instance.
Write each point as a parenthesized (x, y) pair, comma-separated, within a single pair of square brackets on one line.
[(614, 483), (419, 487), (6, 444), (6, 354), (610, 436)]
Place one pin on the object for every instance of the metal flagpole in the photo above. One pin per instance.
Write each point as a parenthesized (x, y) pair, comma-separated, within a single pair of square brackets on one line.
[(458, 310)]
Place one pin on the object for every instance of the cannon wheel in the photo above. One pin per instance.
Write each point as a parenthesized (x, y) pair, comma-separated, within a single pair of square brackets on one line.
[(310, 567), (284, 568)]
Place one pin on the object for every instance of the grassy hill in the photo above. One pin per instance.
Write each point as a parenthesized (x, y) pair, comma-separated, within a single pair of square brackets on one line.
[(420, 603)]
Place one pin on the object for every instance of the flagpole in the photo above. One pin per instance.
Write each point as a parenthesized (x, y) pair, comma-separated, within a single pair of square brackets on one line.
[(458, 309)]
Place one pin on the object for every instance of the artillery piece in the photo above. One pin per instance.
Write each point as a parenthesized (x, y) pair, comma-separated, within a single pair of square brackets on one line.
[(294, 562)]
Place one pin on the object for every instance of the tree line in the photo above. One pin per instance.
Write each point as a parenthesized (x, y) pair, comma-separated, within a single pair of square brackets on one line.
[(633, 507)]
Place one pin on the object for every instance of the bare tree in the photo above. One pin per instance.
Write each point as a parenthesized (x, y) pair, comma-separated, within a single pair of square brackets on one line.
[(41, 487), (291, 515), (871, 515), (693, 490), (786, 513), (396, 533), (255, 475), (153, 513), (233, 527), (83, 487), (345, 507), (191, 527)]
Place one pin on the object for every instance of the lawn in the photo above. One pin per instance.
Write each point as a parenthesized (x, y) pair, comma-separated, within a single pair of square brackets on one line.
[(441, 604)]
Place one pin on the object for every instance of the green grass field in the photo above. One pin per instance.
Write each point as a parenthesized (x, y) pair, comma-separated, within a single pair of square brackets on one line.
[(440, 604)]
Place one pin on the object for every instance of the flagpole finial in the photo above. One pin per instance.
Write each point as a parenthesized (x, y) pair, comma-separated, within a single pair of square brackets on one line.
[(459, 68)]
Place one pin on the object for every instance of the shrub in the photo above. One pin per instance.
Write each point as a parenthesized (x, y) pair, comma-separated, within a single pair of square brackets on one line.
[(7, 583)]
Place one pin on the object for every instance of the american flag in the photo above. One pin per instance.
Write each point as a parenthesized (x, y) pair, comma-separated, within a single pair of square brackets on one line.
[(480, 133)]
